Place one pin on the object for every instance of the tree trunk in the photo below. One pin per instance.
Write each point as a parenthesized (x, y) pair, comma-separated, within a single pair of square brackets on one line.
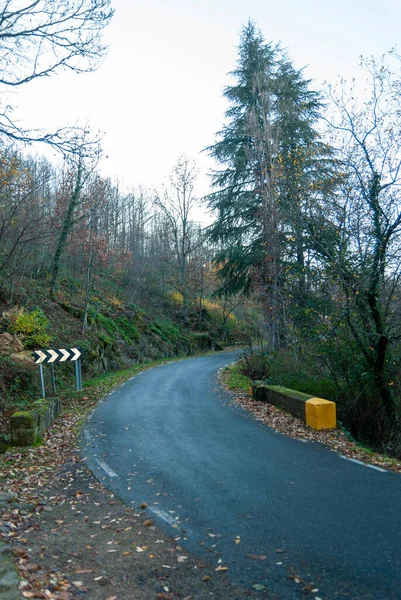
[(66, 228)]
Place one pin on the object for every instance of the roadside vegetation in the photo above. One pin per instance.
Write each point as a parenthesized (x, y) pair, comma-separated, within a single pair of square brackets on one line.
[(338, 440), (300, 265), (308, 221)]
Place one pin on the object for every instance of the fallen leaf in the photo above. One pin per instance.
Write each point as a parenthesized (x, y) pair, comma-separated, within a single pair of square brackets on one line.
[(181, 559), (80, 571), (255, 556), (220, 568)]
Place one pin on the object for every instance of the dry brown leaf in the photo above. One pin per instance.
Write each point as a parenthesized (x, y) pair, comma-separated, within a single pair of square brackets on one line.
[(81, 571)]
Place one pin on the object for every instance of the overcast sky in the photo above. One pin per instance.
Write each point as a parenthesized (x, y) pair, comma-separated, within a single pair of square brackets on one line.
[(158, 94)]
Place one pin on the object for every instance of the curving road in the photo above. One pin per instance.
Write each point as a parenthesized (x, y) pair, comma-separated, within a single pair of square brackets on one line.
[(235, 490)]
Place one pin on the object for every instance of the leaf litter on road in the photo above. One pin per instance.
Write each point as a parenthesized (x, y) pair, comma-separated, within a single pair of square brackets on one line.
[(281, 421), (71, 538)]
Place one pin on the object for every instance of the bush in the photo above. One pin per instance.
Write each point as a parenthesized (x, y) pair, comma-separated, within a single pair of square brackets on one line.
[(286, 367), (30, 326), (256, 364), (19, 383)]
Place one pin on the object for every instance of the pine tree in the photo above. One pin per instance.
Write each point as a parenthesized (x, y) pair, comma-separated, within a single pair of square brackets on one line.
[(268, 149)]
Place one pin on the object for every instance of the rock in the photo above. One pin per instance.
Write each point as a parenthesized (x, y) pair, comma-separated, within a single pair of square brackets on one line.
[(10, 343), (26, 508), (6, 499), (9, 580), (9, 583)]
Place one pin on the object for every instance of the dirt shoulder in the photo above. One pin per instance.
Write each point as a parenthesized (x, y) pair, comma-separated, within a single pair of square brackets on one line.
[(71, 538)]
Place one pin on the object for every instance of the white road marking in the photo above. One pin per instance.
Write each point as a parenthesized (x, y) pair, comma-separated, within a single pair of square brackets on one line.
[(163, 515), (133, 377), (359, 462), (87, 435), (106, 468)]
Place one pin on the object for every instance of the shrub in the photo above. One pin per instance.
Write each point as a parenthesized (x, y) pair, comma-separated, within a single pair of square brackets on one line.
[(256, 364), (175, 298), (19, 382), (30, 326)]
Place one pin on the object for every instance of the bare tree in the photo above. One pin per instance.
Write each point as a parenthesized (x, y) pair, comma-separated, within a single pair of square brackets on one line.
[(23, 209), (176, 203), (357, 233), (41, 37)]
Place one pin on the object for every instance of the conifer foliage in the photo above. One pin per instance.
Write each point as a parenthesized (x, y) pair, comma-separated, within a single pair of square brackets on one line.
[(267, 149)]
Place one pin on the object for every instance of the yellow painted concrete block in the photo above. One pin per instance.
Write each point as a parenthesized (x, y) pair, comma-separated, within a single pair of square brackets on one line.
[(320, 414), (250, 390)]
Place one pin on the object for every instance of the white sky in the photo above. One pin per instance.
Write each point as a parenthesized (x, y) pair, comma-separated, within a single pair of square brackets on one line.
[(158, 94)]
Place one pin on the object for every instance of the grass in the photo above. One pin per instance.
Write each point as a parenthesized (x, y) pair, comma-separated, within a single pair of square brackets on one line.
[(235, 379)]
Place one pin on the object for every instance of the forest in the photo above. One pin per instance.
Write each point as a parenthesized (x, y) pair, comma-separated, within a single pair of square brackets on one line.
[(300, 265)]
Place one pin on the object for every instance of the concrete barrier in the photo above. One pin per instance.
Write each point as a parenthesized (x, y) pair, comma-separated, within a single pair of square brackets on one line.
[(315, 412), (28, 426)]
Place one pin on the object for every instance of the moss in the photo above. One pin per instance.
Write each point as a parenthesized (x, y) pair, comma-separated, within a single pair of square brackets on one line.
[(25, 416), (42, 404), (288, 392)]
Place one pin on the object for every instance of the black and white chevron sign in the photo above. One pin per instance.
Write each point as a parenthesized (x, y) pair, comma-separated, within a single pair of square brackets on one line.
[(56, 356)]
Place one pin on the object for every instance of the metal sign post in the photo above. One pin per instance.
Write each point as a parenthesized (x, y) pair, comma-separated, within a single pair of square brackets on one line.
[(78, 375), (42, 381), (60, 355), (53, 378)]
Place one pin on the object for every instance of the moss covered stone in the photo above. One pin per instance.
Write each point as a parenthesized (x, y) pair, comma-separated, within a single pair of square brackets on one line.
[(292, 393), (25, 419), (291, 400), (28, 426)]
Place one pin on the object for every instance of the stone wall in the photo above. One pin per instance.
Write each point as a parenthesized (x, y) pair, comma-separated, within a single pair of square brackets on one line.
[(28, 426), (317, 413)]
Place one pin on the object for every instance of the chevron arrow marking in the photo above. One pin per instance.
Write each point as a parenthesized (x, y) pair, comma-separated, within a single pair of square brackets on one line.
[(40, 357), (65, 354), (53, 356), (77, 353)]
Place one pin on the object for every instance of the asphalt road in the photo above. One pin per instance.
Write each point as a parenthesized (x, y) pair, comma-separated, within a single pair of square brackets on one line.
[(236, 491)]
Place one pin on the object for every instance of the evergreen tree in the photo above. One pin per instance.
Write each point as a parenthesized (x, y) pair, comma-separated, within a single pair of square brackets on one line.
[(269, 149)]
